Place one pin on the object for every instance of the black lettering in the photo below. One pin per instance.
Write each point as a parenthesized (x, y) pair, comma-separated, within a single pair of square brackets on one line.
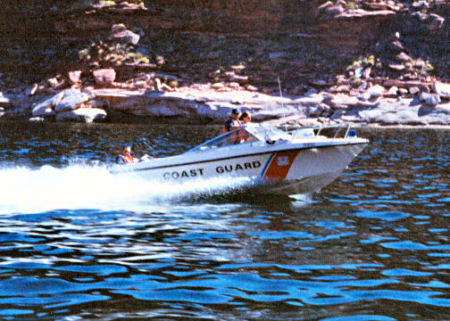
[(166, 176), (247, 165), (193, 172), (238, 167), (184, 174), (219, 169), (175, 175), (200, 171), (256, 164), (229, 168)]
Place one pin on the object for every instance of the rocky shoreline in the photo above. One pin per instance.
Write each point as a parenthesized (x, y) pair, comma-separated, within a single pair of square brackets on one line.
[(212, 103), (375, 62)]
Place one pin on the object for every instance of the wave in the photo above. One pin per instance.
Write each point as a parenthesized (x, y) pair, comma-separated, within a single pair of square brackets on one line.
[(84, 186)]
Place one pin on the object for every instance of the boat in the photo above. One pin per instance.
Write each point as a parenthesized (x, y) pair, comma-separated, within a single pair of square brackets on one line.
[(273, 160)]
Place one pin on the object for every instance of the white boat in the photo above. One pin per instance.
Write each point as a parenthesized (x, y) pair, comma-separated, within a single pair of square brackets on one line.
[(275, 161)]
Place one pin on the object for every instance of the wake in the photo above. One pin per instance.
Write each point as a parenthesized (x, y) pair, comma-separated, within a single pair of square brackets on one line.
[(81, 186)]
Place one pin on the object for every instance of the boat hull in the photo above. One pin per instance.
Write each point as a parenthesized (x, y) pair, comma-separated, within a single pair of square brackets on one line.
[(285, 171)]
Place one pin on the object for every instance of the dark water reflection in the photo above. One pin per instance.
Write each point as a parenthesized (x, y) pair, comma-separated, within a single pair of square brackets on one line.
[(371, 246)]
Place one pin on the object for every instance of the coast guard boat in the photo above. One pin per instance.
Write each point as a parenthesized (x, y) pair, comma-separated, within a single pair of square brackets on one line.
[(275, 161)]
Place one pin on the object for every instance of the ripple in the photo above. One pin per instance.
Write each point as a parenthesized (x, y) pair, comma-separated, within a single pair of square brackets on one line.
[(371, 246)]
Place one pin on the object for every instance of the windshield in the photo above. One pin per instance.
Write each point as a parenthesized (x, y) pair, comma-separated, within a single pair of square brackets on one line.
[(266, 132), (237, 136)]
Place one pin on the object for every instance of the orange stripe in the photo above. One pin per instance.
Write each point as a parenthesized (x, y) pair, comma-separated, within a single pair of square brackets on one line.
[(279, 165)]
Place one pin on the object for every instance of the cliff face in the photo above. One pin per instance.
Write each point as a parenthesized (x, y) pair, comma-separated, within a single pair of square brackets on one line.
[(300, 40)]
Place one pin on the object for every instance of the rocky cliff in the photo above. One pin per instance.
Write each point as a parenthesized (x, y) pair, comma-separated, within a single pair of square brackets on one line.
[(306, 43)]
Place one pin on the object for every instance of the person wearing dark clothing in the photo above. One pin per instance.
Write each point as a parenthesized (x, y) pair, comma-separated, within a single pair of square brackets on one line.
[(233, 121)]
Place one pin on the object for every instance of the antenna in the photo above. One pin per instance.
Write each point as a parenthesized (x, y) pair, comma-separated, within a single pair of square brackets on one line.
[(282, 104)]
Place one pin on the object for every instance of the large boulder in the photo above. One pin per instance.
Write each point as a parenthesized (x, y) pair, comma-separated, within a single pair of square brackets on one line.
[(72, 99), (104, 77), (45, 108)]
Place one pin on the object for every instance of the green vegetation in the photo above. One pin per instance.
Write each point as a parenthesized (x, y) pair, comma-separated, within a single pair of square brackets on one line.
[(115, 54)]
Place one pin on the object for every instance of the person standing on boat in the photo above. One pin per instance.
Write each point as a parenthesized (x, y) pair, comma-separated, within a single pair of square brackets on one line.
[(126, 157), (245, 120), (233, 121)]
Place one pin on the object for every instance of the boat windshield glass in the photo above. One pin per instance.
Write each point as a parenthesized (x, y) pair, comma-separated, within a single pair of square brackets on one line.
[(235, 137), (243, 135), (266, 132)]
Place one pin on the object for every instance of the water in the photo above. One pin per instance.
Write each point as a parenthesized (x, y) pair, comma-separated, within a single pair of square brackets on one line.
[(79, 244)]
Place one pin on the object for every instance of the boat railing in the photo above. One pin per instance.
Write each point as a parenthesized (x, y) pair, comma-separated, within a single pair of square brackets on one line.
[(343, 130)]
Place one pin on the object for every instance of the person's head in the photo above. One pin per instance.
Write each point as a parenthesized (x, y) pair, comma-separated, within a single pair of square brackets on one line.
[(245, 116), (127, 150), (235, 113)]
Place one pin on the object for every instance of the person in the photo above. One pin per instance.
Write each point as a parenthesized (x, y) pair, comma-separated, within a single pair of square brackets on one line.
[(233, 121), (245, 118), (126, 157)]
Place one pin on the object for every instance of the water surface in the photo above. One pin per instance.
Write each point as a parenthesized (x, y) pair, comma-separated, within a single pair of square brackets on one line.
[(77, 243)]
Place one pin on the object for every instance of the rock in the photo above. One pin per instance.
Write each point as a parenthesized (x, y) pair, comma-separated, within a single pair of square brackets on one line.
[(104, 77), (414, 90), (31, 91), (397, 67), (320, 83), (403, 57), (4, 100), (429, 99), (375, 91), (72, 99), (396, 46), (321, 9), (442, 89), (36, 119), (74, 77), (422, 4), (56, 82), (340, 89), (321, 110), (324, 6), (86, 115), (65, 100), (341, 101), (392, 92), (391, 116), (45, 108), (366, 73), (251, 88), (310, 100), (218, 85), (120, 33), (334, 10), (53, 82), (435, 22), (402, 91)]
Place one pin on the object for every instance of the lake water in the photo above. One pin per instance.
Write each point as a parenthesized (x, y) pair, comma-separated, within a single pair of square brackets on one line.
[(77, 243)]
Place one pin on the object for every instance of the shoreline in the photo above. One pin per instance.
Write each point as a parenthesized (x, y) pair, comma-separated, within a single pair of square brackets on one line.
[(212, 104)]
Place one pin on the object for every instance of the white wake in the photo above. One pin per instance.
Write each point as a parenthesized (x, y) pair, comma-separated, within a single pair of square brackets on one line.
[(27, 190)]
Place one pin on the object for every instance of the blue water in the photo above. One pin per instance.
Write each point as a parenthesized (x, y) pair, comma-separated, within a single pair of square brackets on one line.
[(77, 243)]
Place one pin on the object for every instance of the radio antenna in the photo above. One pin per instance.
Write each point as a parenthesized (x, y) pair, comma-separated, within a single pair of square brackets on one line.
[(282, 103)]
